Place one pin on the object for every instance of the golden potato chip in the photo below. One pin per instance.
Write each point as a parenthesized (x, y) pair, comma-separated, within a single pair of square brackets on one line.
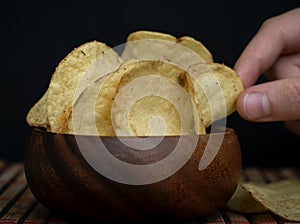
[(148, 117), (145, 34), (197, 47), (243, 202), (74, 73), (83, 117), (37, 115), (139, 69), (149, 45), (92, 110), (149, 83), (280, 197), (216, 89)]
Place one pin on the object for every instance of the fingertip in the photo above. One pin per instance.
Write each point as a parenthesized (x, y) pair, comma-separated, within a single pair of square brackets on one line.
[(240, 107), (272, 101), (254, 106)]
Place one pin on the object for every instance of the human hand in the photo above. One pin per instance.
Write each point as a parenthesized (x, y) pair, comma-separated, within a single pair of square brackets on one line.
[(275, 52)]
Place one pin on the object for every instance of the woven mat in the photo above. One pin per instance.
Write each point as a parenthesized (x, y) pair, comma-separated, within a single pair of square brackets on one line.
[(18, 205)]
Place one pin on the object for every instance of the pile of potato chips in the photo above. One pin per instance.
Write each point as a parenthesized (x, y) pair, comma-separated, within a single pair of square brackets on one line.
[(158, 85)]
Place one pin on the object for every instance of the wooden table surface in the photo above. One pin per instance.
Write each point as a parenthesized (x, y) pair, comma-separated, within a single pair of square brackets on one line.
[(18, 205)]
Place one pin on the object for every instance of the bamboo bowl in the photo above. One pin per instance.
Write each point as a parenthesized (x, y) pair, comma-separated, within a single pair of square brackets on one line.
[(62, 179)]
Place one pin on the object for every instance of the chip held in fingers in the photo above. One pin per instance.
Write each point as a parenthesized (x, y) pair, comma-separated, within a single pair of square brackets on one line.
[(216, 87)]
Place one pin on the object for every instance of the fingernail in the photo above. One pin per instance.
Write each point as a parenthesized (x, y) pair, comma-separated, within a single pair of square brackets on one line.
[(256, 106)]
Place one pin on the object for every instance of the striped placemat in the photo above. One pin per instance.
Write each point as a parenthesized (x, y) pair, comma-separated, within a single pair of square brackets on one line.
[(18, 205)]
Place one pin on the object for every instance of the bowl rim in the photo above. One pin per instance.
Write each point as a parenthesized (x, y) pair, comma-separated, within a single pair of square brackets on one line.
[(225, 131)]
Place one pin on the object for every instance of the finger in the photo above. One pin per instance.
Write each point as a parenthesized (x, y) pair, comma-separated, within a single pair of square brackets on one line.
[(287, 66), (278, 35), (272, 101)]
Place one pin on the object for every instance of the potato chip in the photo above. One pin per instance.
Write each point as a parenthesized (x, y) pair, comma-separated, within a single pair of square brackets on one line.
[(197, 47), (148, 117), (83, 118), (243, 202), (280, 197), (78, 70), (37, 115), (145, 34), (149, 45), (216, 89), (92, 109), (149, 83)]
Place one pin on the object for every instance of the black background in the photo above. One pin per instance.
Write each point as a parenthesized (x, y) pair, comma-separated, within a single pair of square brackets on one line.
[(35, 36)]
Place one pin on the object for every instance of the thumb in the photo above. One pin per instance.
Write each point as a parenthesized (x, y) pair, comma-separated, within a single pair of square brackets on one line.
[(272, 101)]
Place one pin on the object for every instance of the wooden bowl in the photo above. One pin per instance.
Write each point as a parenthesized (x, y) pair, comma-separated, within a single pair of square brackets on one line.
[(62, 180)]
